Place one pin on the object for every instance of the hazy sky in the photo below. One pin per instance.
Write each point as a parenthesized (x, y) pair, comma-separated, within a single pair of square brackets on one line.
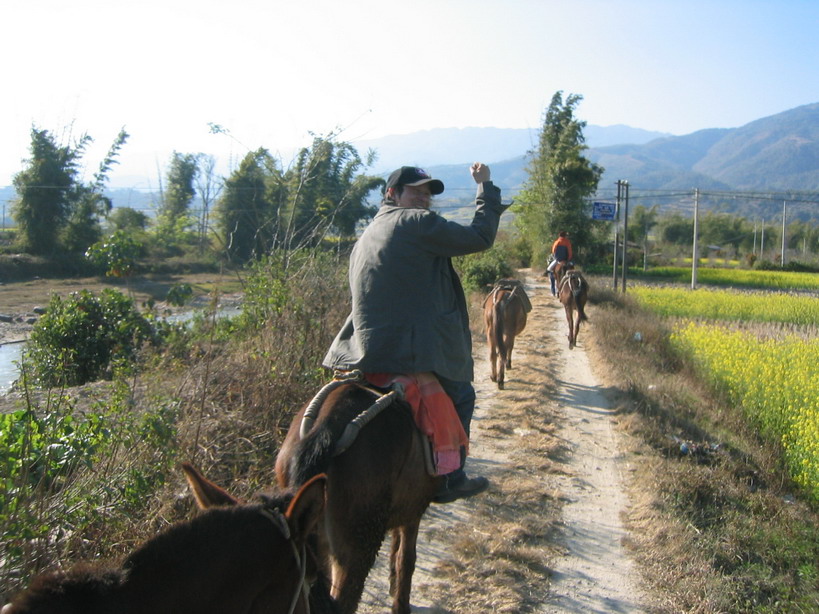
[(273, 71)]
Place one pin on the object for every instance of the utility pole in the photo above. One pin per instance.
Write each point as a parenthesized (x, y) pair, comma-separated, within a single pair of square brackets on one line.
[(784, 215), (616, 236), (625, 236), (696, 255), (754, 251)]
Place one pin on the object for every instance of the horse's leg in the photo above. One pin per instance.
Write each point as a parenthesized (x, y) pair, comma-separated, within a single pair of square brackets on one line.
[(502, 364), (569, 319), (402, 565), (354, 548), (510, 345), (490, 341), (581, 315), (576, 328), (493, 356), (499, 321)]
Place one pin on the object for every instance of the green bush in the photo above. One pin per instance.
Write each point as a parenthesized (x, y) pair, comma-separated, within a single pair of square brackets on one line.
[(79, 339), (68, 474), (115, 256), (483, 269)]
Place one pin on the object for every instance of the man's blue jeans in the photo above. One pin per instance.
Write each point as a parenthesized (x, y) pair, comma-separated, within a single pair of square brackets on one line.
[(463, 397)]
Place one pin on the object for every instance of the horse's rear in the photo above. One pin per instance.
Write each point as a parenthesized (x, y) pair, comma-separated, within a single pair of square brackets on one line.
[(379, 483), (505, 319), (573, 294)]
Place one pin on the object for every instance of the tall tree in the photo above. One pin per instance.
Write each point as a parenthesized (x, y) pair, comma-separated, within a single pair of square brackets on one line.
[(54, 210), (248, 211), (44, 189), (560, 182), (89, 204), (209, 186), (173, 217), (326, 192)]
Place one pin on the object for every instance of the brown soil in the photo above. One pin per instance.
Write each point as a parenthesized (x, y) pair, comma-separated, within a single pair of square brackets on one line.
[(20, 300)]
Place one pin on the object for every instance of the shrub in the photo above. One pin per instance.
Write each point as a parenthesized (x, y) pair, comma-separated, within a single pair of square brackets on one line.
[(80, 338), (483, 269), (115, 256)]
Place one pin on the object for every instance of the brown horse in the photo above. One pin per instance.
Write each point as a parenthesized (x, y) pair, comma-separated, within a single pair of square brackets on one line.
[(248, 559), (560, 269), (573, 293), (504, 312), (379, 482)]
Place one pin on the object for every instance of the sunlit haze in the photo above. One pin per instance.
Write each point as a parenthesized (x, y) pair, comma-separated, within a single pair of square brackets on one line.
[(272, 73)]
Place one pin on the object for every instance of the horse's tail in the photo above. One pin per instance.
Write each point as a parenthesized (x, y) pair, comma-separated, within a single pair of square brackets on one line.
[(582, 289), (313, 453)]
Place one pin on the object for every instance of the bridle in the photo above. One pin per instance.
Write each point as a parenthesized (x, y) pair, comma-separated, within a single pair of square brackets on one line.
[(303, 587)]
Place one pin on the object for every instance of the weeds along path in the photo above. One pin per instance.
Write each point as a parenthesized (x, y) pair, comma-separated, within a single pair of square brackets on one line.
[(547, 536)]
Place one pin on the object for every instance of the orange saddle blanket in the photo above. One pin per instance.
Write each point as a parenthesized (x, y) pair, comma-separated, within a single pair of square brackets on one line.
[(434, 414)]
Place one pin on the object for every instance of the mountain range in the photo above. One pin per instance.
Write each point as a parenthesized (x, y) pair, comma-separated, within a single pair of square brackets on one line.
[(777, 154)]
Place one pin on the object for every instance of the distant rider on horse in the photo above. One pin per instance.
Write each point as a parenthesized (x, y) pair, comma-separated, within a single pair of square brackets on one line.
[(561, 252)]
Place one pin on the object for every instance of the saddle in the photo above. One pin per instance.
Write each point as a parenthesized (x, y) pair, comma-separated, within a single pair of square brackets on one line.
[(515, 286)]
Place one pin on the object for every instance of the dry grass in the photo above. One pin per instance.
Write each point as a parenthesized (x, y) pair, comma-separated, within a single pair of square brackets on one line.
[(502, 563), (720, 530)]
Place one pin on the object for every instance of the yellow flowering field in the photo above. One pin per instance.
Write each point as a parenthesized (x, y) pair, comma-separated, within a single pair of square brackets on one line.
[(775, 382), (779, 280), (729, 305)]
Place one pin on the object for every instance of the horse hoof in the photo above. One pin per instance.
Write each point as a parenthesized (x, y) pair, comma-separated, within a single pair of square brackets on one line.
[(500, 385)]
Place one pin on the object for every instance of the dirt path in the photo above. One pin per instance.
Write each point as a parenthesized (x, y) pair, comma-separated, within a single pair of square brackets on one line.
[(587, 569)]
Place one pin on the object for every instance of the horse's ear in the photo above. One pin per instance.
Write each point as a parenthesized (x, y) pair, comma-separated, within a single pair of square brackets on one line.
[(306, 507), (206, 493)]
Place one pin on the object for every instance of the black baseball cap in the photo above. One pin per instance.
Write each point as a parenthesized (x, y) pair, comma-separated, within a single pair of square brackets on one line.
[(412, 175)]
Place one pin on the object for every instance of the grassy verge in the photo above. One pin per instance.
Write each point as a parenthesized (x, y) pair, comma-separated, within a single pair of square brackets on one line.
[(90, 472), (718, 525)]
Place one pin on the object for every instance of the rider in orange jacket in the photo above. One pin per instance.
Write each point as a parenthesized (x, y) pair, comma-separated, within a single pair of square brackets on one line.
[(561, 252)]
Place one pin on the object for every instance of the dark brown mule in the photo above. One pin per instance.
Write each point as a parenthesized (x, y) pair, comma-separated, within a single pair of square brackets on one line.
[(380, 482), (573, 293), (248, 559), (504, 313)]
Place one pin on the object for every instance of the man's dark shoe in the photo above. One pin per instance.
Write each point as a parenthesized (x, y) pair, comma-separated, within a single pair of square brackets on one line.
[(466, 487)]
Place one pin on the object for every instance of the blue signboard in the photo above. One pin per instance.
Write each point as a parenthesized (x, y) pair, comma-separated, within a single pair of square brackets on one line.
[(603, 211)]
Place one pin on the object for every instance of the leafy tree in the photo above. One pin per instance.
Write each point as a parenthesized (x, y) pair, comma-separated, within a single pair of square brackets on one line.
[(89, 204), (173, 218), (45, 190), (326, 192), (722, 229), (560, 181), (263, 208), (248, 210), (677, 229), (55, 211), (126, 218)]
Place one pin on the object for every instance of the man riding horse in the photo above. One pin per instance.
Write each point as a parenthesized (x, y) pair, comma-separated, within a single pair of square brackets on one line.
[(409, 313), (561, 254)]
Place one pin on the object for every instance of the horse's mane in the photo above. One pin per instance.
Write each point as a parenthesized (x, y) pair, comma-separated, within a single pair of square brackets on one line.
[(76, 590), (204, 531)]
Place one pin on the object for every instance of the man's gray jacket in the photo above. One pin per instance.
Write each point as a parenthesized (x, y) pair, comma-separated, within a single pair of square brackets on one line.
[(409, 312)]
